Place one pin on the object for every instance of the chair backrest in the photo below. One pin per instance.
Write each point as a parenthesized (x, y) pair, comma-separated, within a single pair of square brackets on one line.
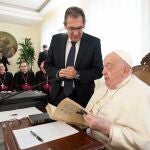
[(142, 72)]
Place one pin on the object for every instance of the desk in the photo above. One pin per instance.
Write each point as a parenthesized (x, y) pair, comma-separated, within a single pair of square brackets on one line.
[(17, 100), (79, 141)]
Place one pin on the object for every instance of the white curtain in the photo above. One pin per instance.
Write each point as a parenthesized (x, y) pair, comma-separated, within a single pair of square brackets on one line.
[(145, 27), (120, 24)]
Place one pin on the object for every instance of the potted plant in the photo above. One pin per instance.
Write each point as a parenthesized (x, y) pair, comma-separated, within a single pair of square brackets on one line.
[(27, 53)]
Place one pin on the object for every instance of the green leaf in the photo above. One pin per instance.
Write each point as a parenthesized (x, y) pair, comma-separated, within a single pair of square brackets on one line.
[(27, 53)]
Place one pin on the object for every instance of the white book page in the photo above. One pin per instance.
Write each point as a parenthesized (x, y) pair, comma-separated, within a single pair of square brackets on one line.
[(18, 113), (47, 132)]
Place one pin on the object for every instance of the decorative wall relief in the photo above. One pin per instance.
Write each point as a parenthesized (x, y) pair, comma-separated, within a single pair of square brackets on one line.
[(8, 44)]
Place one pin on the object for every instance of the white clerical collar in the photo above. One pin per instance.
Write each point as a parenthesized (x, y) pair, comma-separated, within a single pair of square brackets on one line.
[(124, 81), (113, 91)]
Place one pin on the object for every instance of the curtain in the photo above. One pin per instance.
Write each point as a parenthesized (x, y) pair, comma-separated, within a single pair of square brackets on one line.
[(120, 24)]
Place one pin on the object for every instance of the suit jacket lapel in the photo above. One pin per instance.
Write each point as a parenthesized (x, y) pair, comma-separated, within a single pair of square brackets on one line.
[(82, 50), (63, 50)]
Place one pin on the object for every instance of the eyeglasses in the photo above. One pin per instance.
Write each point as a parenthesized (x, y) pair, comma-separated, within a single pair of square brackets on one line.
[(72, 29)]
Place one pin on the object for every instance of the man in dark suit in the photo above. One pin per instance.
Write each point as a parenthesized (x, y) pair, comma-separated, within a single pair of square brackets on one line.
[(43, 56), (87, 60), (4, 60)]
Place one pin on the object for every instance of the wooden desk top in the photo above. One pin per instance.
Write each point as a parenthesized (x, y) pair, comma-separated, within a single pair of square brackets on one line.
[(78, 141)]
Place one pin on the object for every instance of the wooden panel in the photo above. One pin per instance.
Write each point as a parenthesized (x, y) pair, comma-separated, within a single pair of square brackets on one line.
[(79, 141), (142, 72)]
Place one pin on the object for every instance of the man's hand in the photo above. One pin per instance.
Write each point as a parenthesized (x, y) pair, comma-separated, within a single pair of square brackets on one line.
[(68, 73), (62, 73), (98, 123)]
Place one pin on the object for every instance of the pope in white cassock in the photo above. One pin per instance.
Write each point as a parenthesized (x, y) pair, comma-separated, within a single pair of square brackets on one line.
[(120, 107)]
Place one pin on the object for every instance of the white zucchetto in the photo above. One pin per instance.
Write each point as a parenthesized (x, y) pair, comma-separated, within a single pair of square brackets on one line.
[(125, 56)]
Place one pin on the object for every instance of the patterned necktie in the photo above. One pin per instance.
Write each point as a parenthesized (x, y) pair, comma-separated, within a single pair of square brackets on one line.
[(68, 83)]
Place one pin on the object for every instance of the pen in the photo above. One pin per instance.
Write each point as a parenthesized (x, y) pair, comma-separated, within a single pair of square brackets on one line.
[(81, 112), (13, 114), (36, 136)]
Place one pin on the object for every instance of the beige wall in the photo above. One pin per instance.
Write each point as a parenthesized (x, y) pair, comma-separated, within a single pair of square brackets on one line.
[(20, 32), (40, 34), (53, 20)]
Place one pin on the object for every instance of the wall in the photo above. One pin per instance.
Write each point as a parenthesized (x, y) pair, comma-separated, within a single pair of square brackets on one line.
[(145, 27), (20, 32), (53, 20)]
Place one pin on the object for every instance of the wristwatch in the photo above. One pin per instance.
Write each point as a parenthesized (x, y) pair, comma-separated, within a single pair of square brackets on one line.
[(77, 76), (57, 75)]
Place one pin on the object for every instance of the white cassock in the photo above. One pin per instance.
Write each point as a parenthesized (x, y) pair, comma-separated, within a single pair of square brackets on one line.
[(128, 109)]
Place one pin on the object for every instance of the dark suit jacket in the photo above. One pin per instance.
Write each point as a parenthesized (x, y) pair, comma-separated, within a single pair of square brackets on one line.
[(7, 80), (88, 63), (19, 79)]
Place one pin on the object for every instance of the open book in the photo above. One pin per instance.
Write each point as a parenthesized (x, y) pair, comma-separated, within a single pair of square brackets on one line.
[(67, 111)]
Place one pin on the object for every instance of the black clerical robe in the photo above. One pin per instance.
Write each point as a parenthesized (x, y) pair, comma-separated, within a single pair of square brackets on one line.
[(6, 82), (24, 81), (45, 87)]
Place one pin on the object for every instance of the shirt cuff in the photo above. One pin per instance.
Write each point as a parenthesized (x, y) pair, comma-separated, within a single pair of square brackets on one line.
[(77, 76)]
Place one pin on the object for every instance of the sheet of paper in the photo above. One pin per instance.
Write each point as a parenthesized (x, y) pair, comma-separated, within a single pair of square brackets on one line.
[(47, 132), (18, 113)]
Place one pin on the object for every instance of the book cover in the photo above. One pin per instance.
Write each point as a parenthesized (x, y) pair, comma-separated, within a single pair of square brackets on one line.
[(39, 118)]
